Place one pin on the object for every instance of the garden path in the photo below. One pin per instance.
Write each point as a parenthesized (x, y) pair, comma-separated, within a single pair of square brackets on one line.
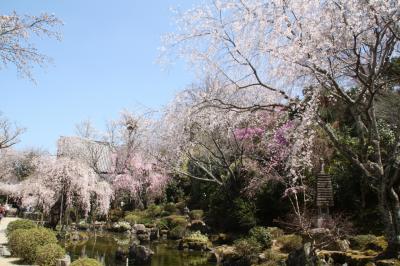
[(5, 260)]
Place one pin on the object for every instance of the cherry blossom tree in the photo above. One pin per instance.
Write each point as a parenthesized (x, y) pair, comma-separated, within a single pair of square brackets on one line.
[(135, 172), (9, 133), (325, 47), (62, 183), (16, 47)]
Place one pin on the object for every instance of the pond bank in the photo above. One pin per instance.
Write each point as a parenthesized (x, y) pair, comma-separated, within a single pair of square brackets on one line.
[(104, 246)]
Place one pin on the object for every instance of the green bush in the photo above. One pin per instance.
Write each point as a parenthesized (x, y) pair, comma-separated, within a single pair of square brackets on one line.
[(180, 206), (175, 220), (161, 224), (290, 243), (48, 255), (86, 262), (140, 217), (247, 250), (261, 235), (154, 210), (196, 214), (177, 232), (165, 213), (24, 242), (132, 219), (20, 224), (170, 207), (195, 241), (244, 213), (368, 242)]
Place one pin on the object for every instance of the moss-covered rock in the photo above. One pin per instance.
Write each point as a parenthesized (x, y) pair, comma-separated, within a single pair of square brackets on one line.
[(195, 241)]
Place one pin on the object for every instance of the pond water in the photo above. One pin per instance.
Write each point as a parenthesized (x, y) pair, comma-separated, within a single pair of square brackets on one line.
[(103, 247)]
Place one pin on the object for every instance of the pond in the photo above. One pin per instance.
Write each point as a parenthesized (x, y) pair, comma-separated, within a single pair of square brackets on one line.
[(103, 247)]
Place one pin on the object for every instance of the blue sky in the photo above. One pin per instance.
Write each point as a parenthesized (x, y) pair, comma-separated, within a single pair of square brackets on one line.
[(106, 62)]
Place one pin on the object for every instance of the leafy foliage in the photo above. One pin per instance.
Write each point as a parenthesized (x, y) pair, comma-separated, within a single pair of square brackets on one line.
[(47, 255), (20, 224), (261, 235), (24, 242), (86, 262)]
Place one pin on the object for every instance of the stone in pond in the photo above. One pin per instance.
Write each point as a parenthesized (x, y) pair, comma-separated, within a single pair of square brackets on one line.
[(140, 254)]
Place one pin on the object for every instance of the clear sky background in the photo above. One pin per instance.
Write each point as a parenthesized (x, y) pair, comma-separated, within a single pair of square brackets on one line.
[(106, 62)]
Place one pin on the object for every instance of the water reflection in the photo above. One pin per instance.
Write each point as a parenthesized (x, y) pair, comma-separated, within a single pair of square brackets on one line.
[(103, 247)]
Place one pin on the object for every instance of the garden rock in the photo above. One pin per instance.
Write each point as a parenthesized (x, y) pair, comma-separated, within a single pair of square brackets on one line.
[(140, 254), (139, 228), (301, 256)]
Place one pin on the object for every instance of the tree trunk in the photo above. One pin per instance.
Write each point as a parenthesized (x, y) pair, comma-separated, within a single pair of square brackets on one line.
[(389, 206)]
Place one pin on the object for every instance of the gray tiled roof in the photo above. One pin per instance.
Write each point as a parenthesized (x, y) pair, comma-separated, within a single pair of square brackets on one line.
[(96, 154)]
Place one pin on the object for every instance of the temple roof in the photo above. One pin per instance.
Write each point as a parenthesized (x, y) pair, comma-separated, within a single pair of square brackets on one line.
[(96, 154)]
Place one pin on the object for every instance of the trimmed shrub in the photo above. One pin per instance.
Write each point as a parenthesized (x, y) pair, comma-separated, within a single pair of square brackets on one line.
[(170, 207), (164, 213), (290, 243), (196, 214), (366, 242), (175, 220), (261, 235), (247, 250), (20, 224), (48, 255), (177, 232), (24, 242), (132, 219), (140, 217), (154, 210), (195, 241), (86, 262)]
